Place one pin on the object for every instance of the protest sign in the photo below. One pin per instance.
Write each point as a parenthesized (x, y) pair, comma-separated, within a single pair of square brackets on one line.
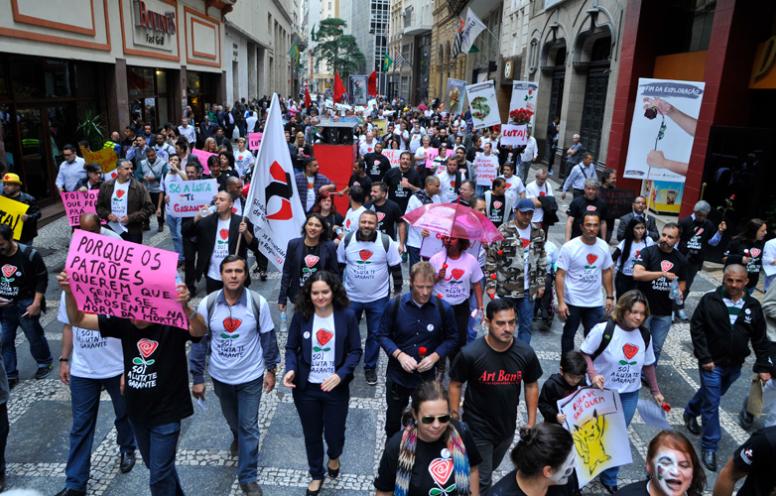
[(202, 156), (524, 96), (393, 156), (483, 104), (663, 129), (595, 420), (379, 126), (79, 202), (254, 140), (110, 276), (514, 135), (456, 91), (187, 197), (11, 212), (486, 169), (106, 157)]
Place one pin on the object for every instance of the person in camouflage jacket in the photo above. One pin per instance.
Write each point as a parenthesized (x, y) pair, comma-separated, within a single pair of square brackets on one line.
[(505, 267)]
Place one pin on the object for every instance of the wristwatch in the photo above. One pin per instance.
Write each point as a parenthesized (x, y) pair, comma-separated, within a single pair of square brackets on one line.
[(273, 370)]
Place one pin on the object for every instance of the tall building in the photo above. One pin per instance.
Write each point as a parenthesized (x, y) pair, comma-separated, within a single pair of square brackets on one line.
[(370, 29), (410, 47)]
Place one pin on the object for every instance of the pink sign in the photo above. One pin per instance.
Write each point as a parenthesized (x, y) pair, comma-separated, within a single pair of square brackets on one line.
[(79, 202), (393, 156), (202, 155), (432, 153), (114, 277), (254, 140)]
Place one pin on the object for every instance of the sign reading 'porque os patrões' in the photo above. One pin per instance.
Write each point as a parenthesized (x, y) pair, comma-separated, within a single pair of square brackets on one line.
[(114, 277)]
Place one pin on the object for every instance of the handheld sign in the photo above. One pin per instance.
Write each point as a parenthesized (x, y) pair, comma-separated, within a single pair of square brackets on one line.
[(514, 135), (79, 202), (485, 169), (254, 140), (202, 156), (114, 277), (11, 212), (187, 197)]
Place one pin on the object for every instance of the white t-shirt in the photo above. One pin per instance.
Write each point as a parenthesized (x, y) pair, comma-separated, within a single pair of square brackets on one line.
[(447, 185), (351, 218), (460, 274), (514, 188), (366, 268), (583, 265), (533, 190), (622, 360), (236, 355), (635, 251), (414, 237), (310, 193), (118, 205), (525, 238), (220, 249), (237, 206), (324, 341), (170, 178), (365, 147), (94, 357), (243, 160)]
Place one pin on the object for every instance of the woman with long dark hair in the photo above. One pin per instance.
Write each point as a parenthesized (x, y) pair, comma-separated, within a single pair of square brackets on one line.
[(322, 351), (747, 249), (324, 205), (627, 252), (433, 454)]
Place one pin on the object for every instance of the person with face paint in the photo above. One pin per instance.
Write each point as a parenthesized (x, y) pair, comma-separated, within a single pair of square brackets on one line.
[(673, 469), (544, 463)]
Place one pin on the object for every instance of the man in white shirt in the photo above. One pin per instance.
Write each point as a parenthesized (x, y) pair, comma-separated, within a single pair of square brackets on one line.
[(368, 145), (530, 153), (450, 179), (414, 239), (580, 173), (536, 189), (515, 187), (71, 170), (584, 266), (357, 197), (187, 131)]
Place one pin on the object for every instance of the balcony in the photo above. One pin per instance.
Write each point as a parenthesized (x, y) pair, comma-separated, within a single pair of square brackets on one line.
[(414, 22)]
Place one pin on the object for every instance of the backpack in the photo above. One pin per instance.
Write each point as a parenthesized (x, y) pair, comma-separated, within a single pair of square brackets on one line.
[(607, 338), (211, 304), (438, 302), (386, 240)]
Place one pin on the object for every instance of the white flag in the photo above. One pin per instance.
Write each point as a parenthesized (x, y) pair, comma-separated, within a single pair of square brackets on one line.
[(471, 28), (273, 204)]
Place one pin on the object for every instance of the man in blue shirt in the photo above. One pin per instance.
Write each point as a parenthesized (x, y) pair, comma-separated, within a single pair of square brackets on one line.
[(416, 332)]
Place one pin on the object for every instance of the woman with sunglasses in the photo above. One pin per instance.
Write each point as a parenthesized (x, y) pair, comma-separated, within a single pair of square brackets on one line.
[(323, 349), (432, 454)]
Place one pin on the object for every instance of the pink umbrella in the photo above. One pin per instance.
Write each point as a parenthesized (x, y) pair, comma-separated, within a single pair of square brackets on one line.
[(454, 220)]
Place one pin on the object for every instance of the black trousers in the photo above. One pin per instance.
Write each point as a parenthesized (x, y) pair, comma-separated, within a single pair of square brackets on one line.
[(4, 429), (323, 416), (461, 314), (212, 285), (155, 201), (397, 398), (623, 283), (133, 237), (190, 264), (261, 261)]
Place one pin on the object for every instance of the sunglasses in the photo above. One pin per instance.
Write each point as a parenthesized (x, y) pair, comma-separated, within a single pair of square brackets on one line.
[(443, 419)]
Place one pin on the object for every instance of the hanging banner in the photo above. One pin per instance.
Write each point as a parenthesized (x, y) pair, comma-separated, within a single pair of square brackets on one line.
[(456, 91), (663, 129), (514, 135), (11, 212), (485, 169), (357, 88), (110, 276), (483, 105), (595, 420), (188, 197), (393, 156), (524, 96), (79, 202), (254, 140)]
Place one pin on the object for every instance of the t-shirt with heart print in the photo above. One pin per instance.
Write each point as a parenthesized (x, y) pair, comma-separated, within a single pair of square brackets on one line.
[(583, 265), (496, 211), (220, 249), (460, 275), (118, 205), (622, 360), (351, 218), (323, 342), (658, 291), (236, 355), (433, 471), (155, 368), (366, 276), (311, 262)]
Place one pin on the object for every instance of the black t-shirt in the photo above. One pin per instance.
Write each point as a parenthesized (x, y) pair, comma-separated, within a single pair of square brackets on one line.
[(156, 370), (739, 248), (427, 456), (496, 209), (377, 165), (579, 206), (364, 181), (388, 214), (311, 262), (695, 237), (395, 192), (507, 486), (755, 458), (635, 489), (493, 385), (658, 292), (22, 274), (333, 219)]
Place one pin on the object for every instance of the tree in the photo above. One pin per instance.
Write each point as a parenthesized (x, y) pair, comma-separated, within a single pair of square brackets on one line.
[(339, 50)]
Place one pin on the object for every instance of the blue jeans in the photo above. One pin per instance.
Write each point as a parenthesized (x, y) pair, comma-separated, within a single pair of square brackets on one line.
[(10, 319), (658, 326), (174, 223), (714, 384), (374, 312), (85, 401), (525, 310), (157, 444), (474, 323), (629, 403), (414, 254), (240, 406), (588, 316), (525, 168)]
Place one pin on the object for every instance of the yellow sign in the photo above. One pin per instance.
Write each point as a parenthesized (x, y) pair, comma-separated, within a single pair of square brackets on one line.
[(381, 125), (106, 158), (11, 212)]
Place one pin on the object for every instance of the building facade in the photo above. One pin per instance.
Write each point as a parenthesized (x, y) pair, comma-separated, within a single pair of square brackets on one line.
[(410, 49), (370, 28)]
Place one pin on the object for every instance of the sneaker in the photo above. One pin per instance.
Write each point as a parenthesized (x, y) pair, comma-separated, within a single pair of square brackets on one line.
[(371, 376), (42, 372), (682, 315), (691, 423), (251, 489)]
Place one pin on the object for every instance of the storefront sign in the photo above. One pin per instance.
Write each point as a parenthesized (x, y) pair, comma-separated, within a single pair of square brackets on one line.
[(11, 212), (79, 202), (153, 29)]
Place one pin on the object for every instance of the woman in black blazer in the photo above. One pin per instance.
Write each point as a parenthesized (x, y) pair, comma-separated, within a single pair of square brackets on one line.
[(322, 351), (311, 253)]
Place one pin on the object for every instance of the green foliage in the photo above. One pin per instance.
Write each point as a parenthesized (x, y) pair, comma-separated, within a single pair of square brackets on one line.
[(340, 51), (91, 129)]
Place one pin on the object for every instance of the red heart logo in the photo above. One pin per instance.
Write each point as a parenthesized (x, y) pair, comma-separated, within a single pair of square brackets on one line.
[(755, 252), (234, 210), (457, 274), (591, 208), (347, 224), (323, 336), (114, 175), (440, 470), (120, 193), (310, 261), (542, 193), (525, 242), (224, 233), (699, 231), (380, 216), (365, 255), (452, 185), (638, 253), (509, 185), (146, 347), (277, 172), (591, 258), (665, 265), (629, 350), (8, 270), (497, 204), (231, 324)]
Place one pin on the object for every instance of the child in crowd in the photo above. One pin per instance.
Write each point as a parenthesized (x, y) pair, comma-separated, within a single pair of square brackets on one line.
[(573, 370)]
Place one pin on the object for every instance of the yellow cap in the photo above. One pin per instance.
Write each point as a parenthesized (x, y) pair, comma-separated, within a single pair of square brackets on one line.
[(12, 178)]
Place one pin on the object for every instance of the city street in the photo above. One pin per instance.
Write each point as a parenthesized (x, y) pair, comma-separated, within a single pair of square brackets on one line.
[(39, 413)]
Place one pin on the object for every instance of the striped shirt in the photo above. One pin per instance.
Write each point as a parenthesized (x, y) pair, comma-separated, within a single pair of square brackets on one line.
[(734, 308)]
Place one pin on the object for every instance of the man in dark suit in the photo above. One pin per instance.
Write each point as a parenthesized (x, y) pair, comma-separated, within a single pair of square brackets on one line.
[(639, 210)]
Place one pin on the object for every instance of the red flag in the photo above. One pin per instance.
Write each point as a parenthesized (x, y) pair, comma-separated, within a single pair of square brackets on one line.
[(372, 86), (339, 88), (308, 102)]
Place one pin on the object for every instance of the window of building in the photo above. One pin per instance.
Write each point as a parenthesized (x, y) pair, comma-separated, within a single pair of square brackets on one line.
[(689, 22)]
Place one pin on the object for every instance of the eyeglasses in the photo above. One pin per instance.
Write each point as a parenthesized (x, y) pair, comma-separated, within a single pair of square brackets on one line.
[(442, 419)]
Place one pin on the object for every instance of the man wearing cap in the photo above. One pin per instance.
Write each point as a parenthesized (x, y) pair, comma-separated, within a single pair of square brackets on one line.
[(517, 266), (12, 188)]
